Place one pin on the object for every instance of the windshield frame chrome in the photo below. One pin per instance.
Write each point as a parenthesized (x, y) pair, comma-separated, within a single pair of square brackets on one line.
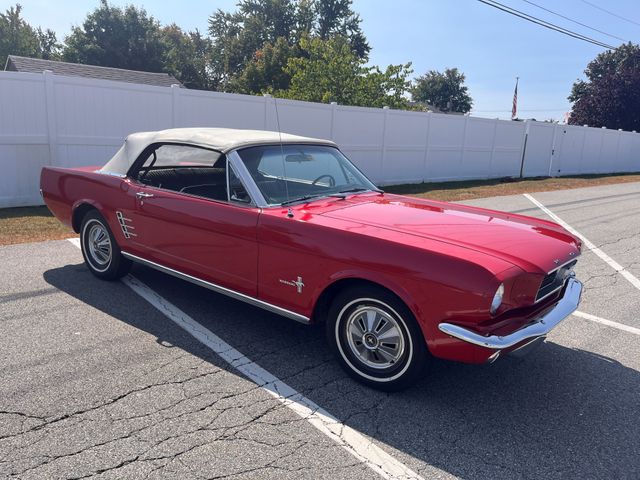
[(245, 177)]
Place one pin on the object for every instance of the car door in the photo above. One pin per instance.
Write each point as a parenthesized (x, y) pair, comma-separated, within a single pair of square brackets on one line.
[(189, 226)]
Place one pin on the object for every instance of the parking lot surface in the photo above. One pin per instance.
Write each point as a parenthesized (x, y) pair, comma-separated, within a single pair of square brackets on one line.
[(96, 382)]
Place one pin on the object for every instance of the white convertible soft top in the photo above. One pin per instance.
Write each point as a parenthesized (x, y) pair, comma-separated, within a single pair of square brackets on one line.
[(221, 139)]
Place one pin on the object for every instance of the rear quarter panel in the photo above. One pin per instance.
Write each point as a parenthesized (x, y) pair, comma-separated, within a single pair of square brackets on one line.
[(65, 189)]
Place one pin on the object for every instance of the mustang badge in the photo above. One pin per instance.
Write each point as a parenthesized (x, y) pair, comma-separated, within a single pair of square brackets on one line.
[(297, 283)]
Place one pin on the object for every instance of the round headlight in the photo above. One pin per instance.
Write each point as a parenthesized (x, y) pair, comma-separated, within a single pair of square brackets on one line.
[(497, 299)]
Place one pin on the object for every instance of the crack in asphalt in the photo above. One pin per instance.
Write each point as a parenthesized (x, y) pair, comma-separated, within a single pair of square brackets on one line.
[(619, 239), (51, 421), (48, 425)]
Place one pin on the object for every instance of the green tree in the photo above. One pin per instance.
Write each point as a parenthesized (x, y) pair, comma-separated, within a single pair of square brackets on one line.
[(48, 46), (610, 96), (265, 72), (329, 70), (336, 18), (445, 91), (187, 57), (17, 37), (239, 37), (306, 13), (117, 37)]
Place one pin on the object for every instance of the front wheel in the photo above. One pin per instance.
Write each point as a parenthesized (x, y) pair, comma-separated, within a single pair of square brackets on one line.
[(100, 250), (376, 338)]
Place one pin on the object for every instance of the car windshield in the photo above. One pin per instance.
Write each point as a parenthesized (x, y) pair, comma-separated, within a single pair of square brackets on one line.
[(290, 173)]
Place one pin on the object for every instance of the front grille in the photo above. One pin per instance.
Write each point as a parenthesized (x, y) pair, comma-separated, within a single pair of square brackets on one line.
[(554, 280)]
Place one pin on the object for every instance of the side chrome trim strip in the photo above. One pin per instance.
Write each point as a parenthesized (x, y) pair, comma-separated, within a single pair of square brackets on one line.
[(565, 307), (219, 289)]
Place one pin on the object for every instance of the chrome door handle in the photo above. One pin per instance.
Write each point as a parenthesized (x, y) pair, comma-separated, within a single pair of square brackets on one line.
[(143, 195)]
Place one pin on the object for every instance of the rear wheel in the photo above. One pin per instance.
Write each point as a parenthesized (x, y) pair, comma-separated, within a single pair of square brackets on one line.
[(99, 248), (376, 338)]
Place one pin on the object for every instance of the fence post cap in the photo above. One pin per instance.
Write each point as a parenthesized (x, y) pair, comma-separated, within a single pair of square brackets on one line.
[(386, 107), (333, 103), (266, 95)]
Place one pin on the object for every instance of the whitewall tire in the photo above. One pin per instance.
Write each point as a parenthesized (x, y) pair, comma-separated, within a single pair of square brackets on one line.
[(376, 338), (99, 248)]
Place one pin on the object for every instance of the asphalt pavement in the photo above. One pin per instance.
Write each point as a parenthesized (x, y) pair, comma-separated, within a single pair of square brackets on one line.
[(96, 382)]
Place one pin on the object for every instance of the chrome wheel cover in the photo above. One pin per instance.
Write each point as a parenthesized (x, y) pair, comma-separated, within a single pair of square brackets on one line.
[(99, 245), (374, 337)]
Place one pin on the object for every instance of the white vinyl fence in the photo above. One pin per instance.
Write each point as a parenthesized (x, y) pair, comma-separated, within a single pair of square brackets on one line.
[(66, 121)]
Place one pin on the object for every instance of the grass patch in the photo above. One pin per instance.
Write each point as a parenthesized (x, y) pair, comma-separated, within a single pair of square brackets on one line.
[(36, 224), (30, 224), (469, 190)]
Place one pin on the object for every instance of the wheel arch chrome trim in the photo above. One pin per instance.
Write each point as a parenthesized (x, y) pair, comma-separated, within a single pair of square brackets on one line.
[(220, 289)]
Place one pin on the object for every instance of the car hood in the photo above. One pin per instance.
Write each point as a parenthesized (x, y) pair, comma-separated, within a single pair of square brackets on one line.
[(532, 244)]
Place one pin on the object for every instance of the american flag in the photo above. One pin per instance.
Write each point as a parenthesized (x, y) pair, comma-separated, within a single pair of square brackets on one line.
[(514, 108)]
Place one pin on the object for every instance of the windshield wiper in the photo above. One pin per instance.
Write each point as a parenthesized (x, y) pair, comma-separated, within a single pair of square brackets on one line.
[(340, 194), (361, 189), (302, 199)]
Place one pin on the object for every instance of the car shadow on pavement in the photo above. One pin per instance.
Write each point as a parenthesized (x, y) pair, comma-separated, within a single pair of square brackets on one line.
[(558, 413)]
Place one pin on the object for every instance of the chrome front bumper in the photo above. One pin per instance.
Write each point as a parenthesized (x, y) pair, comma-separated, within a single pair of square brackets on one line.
[(543, 325)]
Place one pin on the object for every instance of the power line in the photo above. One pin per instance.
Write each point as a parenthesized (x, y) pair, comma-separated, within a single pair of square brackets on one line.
[(574, 21), (545, 24), (611, 13)]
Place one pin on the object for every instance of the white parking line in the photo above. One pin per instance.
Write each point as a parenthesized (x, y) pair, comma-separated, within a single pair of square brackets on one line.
[(608, 323), (612, 263), (352, 441)]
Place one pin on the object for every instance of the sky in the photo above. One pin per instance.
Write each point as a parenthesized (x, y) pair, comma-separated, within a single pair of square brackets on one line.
[(490, 47)]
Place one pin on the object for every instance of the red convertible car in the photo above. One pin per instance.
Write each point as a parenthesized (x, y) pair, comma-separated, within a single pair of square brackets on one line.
[(288, 224)]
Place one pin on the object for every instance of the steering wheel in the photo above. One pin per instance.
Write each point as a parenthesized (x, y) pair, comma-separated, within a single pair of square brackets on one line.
[(332, 181)]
